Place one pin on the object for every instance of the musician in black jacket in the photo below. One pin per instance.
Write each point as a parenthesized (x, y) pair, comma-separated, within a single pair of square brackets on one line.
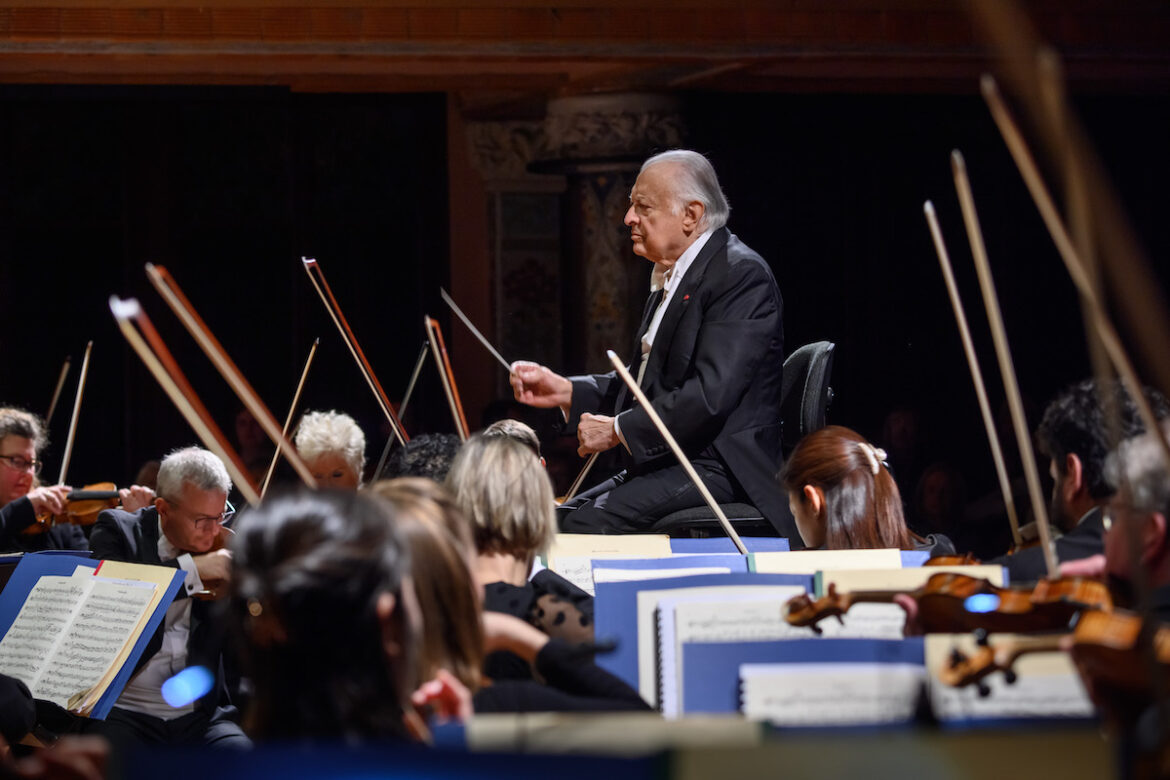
[(182, 530), (1074, 434)]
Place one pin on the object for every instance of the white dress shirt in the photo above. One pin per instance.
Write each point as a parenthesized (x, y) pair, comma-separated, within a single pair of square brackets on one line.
[(669, 279), (144, 691)]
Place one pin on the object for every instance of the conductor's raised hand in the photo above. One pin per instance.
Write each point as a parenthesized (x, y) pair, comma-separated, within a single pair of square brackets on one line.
[(537, 385)]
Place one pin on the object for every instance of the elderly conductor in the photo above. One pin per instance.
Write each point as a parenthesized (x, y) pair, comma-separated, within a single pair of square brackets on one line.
[(709, 356)]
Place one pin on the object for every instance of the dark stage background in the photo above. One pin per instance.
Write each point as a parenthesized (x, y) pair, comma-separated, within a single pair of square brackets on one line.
[(229, 187)]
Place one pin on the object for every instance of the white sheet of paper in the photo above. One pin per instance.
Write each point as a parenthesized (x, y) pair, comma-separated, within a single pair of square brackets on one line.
[(77, 626), (634, 575), (1047, 685), (648, 601), (902, 579), (836, 694), (702, 618), (812, 561)]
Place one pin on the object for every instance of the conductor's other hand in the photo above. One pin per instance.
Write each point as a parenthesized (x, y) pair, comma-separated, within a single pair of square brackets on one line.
[(536, 385), (595, 433)]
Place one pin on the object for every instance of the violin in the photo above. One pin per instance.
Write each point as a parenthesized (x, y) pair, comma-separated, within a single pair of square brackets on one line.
[(1103, 645), (211, 589), (82, 507), (956, 603)]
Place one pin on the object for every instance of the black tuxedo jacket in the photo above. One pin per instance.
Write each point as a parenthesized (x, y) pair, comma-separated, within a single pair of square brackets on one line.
[(713, 376), (133, 537), (17, 515)]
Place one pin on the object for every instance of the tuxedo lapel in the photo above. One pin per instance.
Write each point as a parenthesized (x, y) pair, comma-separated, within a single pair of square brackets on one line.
[(148, 526), (679, 302)]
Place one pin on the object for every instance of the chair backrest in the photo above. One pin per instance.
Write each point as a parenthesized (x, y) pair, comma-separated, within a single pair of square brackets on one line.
[(805, 393)]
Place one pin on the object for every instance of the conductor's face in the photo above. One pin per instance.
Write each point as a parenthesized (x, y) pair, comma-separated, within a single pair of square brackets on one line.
[(661, 226)]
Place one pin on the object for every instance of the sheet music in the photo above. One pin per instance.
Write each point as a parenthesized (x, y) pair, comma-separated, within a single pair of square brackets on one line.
[(77, 628), (647, 606), (39, 626), (1047, 686), (812, 561), (838, 694), (634, 575), (712, 619)]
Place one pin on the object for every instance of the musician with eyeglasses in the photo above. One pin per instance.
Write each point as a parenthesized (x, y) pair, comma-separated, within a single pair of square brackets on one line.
[(183, 529), (22, 500)]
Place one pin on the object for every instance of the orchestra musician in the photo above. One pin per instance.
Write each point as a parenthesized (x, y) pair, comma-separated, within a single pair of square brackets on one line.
[(333, 447), (456, 633), (843, 496), (506, 497), (323, 602), (1074, 434), (183, 530), (22, 439), (709, 356)]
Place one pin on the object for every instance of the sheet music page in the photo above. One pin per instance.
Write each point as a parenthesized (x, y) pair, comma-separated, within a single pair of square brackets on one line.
[(901, 579), (578, 569), (838, 694), (812, 561), (647, 606), (107, 619), (713, 619), (633, 575), (1047, 685), (609, 546), (39, 626)]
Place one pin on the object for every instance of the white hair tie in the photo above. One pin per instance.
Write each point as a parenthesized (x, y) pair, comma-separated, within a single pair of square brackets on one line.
[(875, 455)]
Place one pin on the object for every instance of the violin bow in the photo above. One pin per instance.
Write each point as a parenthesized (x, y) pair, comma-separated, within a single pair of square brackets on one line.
[(418, 364), (573, 488), (317, 277), (1125, 259), (1073, 263), (1014, 37), (68, 454), (443, 363), (57, 390), (474, 330), (169, 289), (161, 364), (1004, 355), (288, 420), (944, 261), (678, 453)]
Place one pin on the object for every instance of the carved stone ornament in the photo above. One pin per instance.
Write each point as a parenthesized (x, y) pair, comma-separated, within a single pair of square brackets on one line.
[(502, 150), (601, 127)]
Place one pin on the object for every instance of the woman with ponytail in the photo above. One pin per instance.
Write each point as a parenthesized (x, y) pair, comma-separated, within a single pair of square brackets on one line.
[(843, 496)]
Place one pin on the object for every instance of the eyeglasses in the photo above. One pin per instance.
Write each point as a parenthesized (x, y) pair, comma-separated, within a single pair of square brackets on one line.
[(18, 463), (223, 518)]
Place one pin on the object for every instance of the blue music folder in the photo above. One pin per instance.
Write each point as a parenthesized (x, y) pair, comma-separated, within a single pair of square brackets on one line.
[(34, 566), (615, 610), (711, 669), (722, 544)]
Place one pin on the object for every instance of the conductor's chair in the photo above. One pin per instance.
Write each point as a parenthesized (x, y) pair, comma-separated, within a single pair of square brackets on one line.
[(805, 396)]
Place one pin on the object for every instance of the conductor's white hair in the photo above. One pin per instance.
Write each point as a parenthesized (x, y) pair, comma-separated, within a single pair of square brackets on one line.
[(1138, 467), (697, 182), (331, 432), (191, 466)]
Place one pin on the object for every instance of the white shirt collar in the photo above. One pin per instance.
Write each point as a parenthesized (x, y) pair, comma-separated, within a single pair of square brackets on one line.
[(661, 278), (166, 550)]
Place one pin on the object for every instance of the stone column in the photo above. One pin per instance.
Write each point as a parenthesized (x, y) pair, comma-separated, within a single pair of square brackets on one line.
[(598, 142)]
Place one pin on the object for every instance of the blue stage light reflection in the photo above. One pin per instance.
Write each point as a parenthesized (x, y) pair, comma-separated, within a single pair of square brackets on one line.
[(187, 686), (981, 602)]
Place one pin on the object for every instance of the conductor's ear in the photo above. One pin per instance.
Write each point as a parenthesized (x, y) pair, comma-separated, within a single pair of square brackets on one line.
[(693, 215)]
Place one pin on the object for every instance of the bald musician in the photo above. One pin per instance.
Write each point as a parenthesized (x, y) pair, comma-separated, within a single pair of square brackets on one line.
[(709, 356)]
